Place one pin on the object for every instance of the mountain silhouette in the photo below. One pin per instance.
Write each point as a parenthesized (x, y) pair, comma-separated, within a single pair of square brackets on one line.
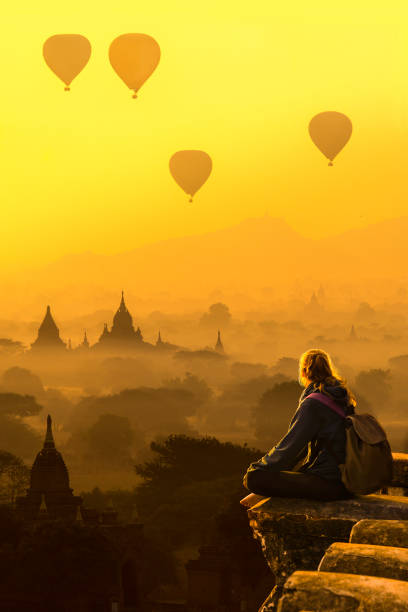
[(258, 252)]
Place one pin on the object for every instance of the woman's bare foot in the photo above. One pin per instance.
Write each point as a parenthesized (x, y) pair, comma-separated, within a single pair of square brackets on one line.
[(251, 499)]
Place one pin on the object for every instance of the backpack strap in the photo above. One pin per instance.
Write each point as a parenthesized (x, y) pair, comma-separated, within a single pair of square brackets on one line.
[(324, 399), (327, 401)]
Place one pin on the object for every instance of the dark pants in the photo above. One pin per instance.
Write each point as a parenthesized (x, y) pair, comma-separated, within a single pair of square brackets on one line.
[(294, 484)]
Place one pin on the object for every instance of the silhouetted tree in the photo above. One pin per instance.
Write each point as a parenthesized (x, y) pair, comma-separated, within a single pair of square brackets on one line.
[(186, 484), (11, 347), (14, 477), (181, 460), (247, 371), (111, 439), (365, 312), (195, 385), (399, 363), (156, 411), (16, 405), (23, 381), (15, 435), (274, 411), (18, 437), (218, 315), (233, 407), (287, 366), (375, 386)]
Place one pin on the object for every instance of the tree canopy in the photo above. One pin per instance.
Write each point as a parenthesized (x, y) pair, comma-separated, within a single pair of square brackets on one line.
[(14, 477), (274, 411)]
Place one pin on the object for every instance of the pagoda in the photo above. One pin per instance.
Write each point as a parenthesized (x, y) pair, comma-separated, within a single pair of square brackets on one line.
[(49, 495), (162, 345), (122, 333), (219, 347), (84, 346), (48, 335)]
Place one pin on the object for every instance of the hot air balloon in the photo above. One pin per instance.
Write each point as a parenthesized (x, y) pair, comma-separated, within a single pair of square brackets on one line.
[(190, 170), (330, 131), (134, 57), (67, 55)]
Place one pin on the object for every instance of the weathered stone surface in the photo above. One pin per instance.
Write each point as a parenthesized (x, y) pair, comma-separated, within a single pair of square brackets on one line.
[(381, 532), (400, 470), (295, 533), (367, 560), (328, 592), (371, 506)]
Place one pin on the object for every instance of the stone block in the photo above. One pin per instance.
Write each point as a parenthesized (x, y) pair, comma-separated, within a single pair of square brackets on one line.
[(324, 592), (381, 532), (295, 533), (400, 470), (367, 560)]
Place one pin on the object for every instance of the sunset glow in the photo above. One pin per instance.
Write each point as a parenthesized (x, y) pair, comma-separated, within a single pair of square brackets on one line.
[(88, 169)]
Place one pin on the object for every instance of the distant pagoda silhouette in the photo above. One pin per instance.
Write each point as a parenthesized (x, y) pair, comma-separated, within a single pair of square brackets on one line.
[(162, 345), (313, 307), (49, 494), (48, 335), (122, 337), (122, 332), (219, 347)]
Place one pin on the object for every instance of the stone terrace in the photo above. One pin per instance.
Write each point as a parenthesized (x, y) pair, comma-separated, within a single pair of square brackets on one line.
[(349, 555)]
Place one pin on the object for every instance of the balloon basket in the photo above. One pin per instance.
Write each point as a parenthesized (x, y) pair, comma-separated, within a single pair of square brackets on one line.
[(190, 200), (330, 163), (67, 88), (134, 96)]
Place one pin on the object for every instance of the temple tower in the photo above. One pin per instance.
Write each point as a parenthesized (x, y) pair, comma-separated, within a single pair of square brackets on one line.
[(49, 485), (122, 335), (219, 347), (85, 342), (122, 328), (353, 333), (48, 334)]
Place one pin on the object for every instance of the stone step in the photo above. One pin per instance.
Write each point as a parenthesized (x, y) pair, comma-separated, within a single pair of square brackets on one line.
[(381, 532), (295, 533), (400, 470), (324, 592), (367, 560)]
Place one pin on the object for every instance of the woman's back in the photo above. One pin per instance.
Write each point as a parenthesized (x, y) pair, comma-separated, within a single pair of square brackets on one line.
[(305, 462), (327, 449)]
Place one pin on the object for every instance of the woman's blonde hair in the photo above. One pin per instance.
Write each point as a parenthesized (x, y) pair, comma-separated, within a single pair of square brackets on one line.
[(315, 366)]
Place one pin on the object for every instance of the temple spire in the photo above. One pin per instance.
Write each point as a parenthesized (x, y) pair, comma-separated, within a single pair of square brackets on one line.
[(48, 334), (122, 302), (49, 438), (219, 347)]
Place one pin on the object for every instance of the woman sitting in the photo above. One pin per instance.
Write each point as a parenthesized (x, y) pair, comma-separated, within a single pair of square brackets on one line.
[(305, 462)]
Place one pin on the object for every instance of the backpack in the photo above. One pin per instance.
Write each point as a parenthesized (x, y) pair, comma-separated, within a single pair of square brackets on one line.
[(368, 464)]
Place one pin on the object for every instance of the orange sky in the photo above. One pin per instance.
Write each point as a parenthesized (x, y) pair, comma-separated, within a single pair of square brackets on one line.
[(88, 170)]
